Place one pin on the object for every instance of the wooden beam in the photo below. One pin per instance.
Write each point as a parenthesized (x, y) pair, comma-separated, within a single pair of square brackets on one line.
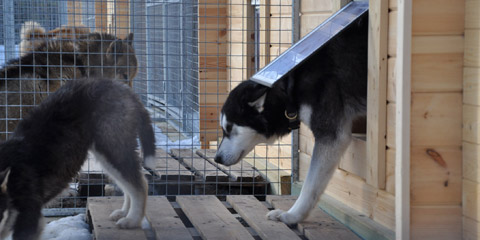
[(377, 92), (402, 128)]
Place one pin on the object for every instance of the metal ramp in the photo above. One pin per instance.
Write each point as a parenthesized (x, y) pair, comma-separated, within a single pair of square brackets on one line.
[(310, 44)]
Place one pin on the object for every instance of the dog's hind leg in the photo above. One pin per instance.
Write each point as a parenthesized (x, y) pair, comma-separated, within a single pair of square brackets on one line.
[(325, 157), (126, 173)]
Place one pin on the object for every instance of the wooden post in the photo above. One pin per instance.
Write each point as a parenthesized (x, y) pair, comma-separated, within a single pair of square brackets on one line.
[(101, 15), (402, 128), (377, 92), (74, 9)]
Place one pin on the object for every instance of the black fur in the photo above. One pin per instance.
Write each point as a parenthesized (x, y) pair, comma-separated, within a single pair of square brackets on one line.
[(333, 81), (49, 146)]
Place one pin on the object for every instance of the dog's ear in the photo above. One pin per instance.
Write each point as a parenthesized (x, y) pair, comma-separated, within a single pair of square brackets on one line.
[(129, 39), (4, 179), (257, 97)]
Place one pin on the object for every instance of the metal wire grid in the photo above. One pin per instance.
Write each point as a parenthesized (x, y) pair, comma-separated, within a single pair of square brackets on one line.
[(190, 54)]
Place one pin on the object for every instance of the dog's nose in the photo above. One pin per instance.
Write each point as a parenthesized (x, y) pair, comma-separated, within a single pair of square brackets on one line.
[(218, 159)]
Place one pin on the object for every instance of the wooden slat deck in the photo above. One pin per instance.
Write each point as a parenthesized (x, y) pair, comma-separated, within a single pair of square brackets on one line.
[(206, 217), (180, 172), (241, 172), (318, 224)]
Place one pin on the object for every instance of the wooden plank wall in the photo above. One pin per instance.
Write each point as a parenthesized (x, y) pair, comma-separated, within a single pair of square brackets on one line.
[(436, 119), (212, 51), (471, 118)]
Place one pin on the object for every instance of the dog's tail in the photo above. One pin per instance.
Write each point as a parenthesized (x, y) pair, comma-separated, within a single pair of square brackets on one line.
[(147, 139), (31, 30)]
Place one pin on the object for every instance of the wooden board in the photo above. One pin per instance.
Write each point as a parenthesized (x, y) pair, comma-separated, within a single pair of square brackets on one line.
[(105, 229), (240, 172), (472, 14), (436, 175), (437, 72), (200, 166), (447, 17), (165, 220), (254, 213), (471, 86), (471, 229), (436, 222), (318, 225), (377, 92), (355, 157), (436, 119), (471, 161), (206, 217), (472, 48), (471, 201), (211, 218), (471, 122), (169, 168)]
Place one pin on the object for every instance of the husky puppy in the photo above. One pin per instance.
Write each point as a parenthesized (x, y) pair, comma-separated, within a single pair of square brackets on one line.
[(26, 81), (32, 35), (50, 145), (328, 93)]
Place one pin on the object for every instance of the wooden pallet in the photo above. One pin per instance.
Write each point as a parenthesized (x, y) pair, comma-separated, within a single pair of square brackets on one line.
[(182, 172), (206, 217)]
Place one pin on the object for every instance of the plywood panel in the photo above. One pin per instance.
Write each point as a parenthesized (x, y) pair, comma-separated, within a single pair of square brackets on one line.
[(436, 119), (471, 86), (472, 14), (437, 72), (472, 48), (438, 17), (436, 175), (436, 222)]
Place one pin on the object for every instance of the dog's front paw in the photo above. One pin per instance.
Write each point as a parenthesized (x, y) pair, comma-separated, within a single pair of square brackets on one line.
[(285, 217), (128, 223), (117, 214)]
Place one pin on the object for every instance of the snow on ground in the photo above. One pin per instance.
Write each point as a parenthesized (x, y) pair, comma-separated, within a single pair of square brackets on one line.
[(67, 228), (162, 141)]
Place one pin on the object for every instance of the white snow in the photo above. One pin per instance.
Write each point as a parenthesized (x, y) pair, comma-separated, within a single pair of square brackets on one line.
[(67, 228), (162, 141)]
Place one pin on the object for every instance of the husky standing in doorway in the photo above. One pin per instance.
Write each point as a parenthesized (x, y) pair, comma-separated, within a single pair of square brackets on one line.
[(50, 145), (328, 93)]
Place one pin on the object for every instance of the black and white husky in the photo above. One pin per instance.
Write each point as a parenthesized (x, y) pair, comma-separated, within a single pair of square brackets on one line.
[(50, 145), (328, 92)]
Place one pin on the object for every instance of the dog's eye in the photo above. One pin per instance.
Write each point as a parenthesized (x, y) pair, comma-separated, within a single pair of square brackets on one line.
[(229, 128)]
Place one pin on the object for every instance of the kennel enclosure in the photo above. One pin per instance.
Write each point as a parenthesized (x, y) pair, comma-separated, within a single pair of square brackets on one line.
[(192, 53)]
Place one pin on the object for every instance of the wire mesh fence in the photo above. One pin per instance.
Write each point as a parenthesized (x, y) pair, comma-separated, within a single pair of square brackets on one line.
[(182, 57)]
